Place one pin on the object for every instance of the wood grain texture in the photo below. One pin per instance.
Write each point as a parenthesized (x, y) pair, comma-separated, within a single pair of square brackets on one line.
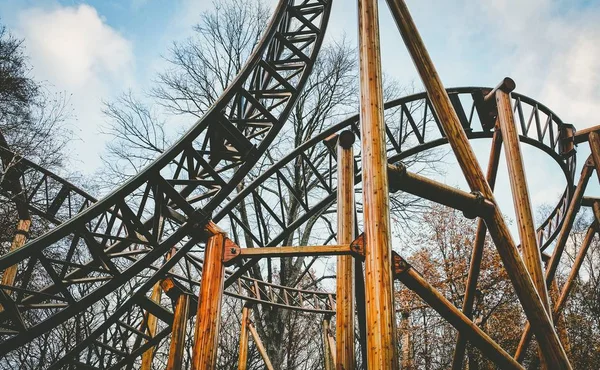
[(380, 313)]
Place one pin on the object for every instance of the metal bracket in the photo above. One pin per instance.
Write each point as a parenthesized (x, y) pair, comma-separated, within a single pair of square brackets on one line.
[(231, 252), (399, 265), (358, 246)]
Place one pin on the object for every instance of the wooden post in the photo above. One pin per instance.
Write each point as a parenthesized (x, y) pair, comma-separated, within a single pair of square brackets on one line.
[(344, 333), (477, 253), (559, 320), (559, 304), (381, 346), (180, 319), (243, 357), (522, 202), (415, 282), (206, 341), (8, 278), (559, 247), (150, 328), (406, 342), (260, 346), (522, 282)]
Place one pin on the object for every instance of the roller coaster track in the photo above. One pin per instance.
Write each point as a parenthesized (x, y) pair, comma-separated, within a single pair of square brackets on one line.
[(409, 117), (164, 207)]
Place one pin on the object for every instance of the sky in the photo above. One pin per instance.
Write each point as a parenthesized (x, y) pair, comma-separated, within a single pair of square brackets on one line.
[(97, 49)]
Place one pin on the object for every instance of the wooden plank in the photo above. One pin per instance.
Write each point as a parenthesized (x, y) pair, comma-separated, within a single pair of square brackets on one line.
[(206, 339), (177, 346), (344, 318), (243, 355), (381, 338)]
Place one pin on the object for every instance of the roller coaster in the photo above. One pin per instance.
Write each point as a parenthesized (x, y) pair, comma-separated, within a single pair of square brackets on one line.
[(165, 230)]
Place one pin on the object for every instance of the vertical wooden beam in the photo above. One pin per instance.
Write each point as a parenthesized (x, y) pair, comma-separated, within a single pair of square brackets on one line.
[(520, 194), (406, 341), (328, 355), (477, 253), (182, 307), (260, 346), (206, 344), (23, 226), (243, 356), (150, 328), (381, 346), (559, 247), (532, 304), (344, 318)]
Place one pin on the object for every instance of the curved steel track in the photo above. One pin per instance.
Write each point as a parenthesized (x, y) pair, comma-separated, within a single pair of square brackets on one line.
[(123, 235)]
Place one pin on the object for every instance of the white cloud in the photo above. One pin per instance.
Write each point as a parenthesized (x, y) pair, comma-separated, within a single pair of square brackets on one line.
[(75, 50), (73, 46)]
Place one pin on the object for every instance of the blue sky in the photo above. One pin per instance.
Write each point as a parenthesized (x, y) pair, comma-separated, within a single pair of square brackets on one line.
[(98, 49)]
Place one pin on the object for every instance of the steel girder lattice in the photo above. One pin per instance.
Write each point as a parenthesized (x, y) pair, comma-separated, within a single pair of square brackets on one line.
[(153, 227)]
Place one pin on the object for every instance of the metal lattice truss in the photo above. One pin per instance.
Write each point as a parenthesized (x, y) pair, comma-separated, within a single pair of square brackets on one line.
[(155, 227)]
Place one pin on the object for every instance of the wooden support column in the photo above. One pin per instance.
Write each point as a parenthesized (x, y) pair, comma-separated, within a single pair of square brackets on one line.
[(520, 194), (559, 247), (415, 282), (260, 346), (243, 356), (8, 278), (477, 253), (180, 319), (206, 341), (381, 343), (344, 317), (522, 282), (559, 304), (149, 327)]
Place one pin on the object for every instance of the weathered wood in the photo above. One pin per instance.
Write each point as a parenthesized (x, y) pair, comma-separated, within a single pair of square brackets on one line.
[(524, 287), (243, 355), (477, 254), (344, 318), (290, 251), (260, 346), (581, 136), (415, 282), (151, 325), (522, 202), (381, 341), (182, 307), (561, 241), (204, 356), (559, 304), (23, 226), (472, 205), (327, 351)]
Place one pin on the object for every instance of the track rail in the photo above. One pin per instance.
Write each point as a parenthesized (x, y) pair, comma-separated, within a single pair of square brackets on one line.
[(121, 237)]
